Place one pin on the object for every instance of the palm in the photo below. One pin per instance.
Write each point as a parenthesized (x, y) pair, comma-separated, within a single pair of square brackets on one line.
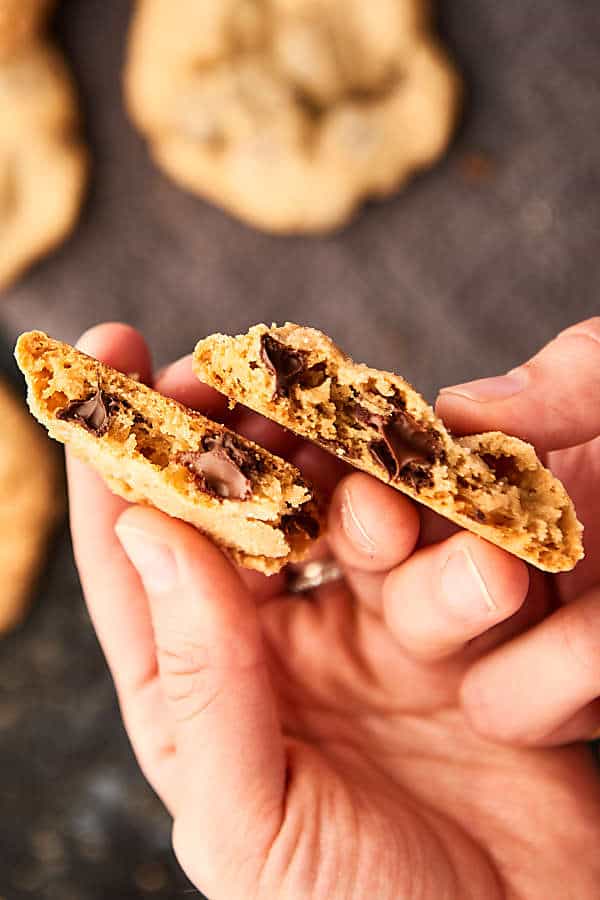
[(379, 746)]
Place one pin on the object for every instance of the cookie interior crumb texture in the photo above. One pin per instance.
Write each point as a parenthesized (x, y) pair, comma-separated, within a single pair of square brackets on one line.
[(31, 504), (153, 450), (491, 484), (290, 114)]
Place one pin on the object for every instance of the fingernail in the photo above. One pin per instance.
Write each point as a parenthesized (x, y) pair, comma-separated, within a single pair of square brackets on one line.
[(154, 562), (354, 528), (464, 588), (489, 389)]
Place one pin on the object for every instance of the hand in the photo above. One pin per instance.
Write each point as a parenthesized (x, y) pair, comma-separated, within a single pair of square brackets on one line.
[(332, 746)]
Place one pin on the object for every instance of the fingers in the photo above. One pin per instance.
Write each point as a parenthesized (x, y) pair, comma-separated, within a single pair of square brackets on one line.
[(179, 382), (214, 675), (579, 470), (114, 596), (120, 346), (371, 527), (550, 401), (543, 686), (447, 594)]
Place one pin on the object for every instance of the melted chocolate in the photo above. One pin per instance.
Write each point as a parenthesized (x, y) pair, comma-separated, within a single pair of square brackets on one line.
[(403, 443), (314, 377), (222, 467), (93, 413), (285, 363), (289, 367), (244, 458)]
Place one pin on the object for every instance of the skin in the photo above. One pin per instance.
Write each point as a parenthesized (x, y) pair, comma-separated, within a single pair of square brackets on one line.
[(414, 732)]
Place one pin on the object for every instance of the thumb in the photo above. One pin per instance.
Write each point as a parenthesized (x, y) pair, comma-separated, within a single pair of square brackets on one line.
[(551, 401), (211, 662)]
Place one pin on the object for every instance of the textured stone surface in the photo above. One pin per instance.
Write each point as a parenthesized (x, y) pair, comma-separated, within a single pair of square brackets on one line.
[(463, 274)]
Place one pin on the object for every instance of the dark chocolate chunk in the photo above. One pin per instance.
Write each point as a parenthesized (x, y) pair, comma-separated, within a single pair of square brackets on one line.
[(503, 467), (418, 476), (93, 413), (302, 523), (382, 454), (285, 363), (249, 461), (314, 377), (222, 467), (409, 441), (403, 441)]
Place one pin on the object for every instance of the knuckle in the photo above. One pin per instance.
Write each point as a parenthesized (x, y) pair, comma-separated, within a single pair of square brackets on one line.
[(193, 674), (589, 327), (425, 647), (189, 682), (589, 331)]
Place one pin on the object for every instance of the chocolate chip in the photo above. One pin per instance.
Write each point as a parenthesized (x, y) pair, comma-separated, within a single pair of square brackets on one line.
[(503, 467), (314, 377), (409, 441), (403, 440), (301, 523), (246, 459), (417, 476), (222, 467), (93, 413), (285, 363)]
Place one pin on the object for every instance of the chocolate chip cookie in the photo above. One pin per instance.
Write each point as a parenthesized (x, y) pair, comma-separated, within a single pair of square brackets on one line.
[(150, 449), (290, 113), (43, 163), (491, 484), (31, 503), (20, 21)]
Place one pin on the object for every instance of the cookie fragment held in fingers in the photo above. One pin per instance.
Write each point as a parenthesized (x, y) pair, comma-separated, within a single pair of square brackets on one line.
[(151, 449), (31, 504), (290, 114), (491, 484)]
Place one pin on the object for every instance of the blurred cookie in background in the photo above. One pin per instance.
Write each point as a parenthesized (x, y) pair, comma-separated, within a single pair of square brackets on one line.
[(290, 113), (31, 504), (20, 21), (43, 162)]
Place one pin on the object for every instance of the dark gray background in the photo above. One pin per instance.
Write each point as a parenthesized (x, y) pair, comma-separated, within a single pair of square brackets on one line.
[(463, 274)]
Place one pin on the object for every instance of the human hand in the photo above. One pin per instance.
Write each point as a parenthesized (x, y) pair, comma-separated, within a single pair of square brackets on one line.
[(331, 746), (543, 688)]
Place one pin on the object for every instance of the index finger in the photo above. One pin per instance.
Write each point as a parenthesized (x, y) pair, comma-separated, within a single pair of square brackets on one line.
[(551, 401)]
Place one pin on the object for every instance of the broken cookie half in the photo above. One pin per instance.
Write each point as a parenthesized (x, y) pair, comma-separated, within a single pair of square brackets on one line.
[(153, 450), (491, 484)]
